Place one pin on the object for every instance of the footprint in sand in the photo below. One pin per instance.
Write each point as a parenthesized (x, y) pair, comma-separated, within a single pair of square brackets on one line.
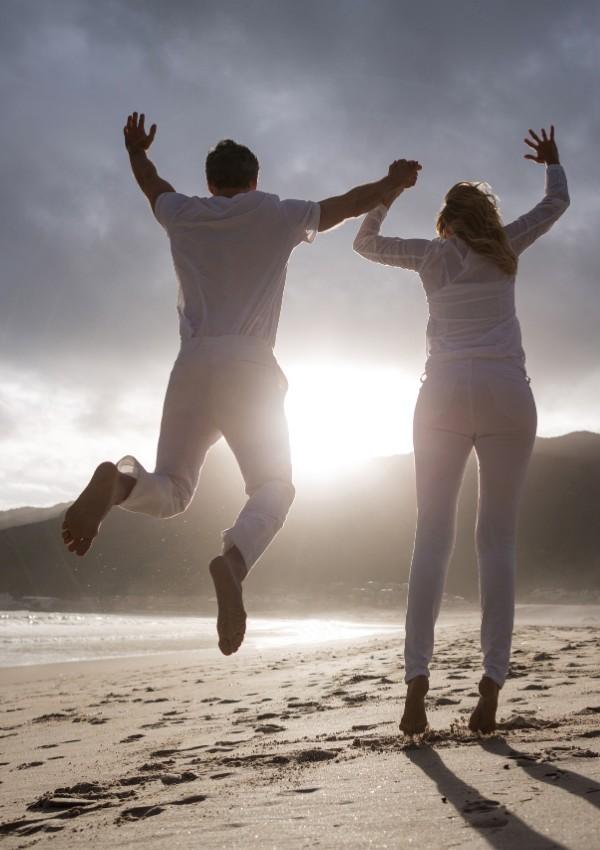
[(140, 812), (186, 801), (269, 728), (152, 766), (28, 827), (355, 699), (177, 778), (312, 756), (300, 791)]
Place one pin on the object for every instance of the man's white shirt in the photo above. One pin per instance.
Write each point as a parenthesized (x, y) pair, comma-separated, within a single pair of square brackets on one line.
[(230, 257)]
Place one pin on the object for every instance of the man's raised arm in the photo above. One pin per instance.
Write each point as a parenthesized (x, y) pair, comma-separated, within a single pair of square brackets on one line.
[(401, 174), (137, 142)]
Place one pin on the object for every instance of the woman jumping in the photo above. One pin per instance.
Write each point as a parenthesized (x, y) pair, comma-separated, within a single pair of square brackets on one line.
[(476, 394)]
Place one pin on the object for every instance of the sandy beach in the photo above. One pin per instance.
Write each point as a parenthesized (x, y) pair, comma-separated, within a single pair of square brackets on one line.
[(299, 747)]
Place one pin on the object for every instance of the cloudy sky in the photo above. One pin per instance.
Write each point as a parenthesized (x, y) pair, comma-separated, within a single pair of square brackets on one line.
[(327, 92)]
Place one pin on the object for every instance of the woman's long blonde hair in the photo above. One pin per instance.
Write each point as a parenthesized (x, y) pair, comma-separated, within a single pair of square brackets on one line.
[(471, 210)]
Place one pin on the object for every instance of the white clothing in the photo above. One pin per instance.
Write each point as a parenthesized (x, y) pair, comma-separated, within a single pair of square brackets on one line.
[(476, 395), (230, 386), (471, 301), (465, 404), (230, 256)]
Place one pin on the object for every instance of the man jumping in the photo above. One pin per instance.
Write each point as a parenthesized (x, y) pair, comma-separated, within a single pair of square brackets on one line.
[(230, 253)]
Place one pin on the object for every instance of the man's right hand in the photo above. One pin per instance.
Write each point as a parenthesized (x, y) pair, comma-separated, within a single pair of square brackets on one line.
[(136, 138), (401, 174), (404, 172)]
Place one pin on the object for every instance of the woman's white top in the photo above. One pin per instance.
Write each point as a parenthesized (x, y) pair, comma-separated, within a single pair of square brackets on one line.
[(471, 301)]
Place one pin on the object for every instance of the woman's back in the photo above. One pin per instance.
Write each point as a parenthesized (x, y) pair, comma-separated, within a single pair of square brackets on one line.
[(471, 300)]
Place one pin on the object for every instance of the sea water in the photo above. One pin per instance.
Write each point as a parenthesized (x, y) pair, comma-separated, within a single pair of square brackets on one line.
[(28, 637)]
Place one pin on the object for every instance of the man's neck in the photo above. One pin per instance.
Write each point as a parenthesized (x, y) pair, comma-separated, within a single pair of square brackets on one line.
[(231, 193)]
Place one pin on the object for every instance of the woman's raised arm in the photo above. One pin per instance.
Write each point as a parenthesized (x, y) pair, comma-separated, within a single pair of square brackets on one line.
[(388, 250), (525, 230)]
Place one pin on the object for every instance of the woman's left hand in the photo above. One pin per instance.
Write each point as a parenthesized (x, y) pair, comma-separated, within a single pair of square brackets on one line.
[(546, 151)]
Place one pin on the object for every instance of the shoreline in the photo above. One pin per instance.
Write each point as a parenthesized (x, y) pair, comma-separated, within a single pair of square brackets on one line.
[(197, 633)]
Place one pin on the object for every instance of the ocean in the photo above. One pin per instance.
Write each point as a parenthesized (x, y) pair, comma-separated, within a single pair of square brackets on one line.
[(28, 637)]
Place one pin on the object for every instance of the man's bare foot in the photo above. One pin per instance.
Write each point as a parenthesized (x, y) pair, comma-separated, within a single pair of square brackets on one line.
[(414, 719), (82, 521), (483, 718), (227, 572)]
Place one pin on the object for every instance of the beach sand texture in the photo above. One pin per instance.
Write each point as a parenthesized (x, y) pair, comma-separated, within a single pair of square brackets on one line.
[(294, 748)]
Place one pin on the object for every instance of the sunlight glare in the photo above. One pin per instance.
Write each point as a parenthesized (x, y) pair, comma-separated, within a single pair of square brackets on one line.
[(341, 414)]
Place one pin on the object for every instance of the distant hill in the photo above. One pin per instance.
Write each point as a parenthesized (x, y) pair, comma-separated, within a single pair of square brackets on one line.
[(28, 515), (339, 537)]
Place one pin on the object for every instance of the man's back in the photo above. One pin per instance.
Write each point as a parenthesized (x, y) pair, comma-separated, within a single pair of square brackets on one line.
[(230, 255)]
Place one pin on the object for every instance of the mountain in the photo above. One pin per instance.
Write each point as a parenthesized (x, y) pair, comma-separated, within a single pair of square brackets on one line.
[(346, 540), (29, 515)]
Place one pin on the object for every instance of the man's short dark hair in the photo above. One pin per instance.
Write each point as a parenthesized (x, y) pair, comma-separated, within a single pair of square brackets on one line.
[(231, 166)]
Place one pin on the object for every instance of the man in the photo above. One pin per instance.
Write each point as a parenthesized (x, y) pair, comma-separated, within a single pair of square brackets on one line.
[(230, 253)]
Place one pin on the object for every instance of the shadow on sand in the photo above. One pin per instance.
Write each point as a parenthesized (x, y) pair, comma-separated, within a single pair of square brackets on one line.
[(489, 817), (545, 771)]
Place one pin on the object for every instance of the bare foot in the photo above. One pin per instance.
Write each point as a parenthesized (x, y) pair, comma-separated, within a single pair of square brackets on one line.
[(82, 521), (414, 719), (483, 718), (231, 617)]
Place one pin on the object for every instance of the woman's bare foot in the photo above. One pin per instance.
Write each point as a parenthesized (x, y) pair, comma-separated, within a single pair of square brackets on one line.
[(483, 718), (414, 719), (82, 521), (228, 572)]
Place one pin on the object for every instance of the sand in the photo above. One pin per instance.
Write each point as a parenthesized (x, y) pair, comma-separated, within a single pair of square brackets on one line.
[(300, 748)]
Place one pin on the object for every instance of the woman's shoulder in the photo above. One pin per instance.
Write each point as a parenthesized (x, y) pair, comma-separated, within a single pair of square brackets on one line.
[(442, 247)]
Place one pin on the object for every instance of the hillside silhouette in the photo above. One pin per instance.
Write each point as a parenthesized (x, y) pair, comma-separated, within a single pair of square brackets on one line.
[(346, 541)]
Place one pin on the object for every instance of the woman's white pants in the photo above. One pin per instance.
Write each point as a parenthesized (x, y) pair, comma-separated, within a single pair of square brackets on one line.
[(229, 386), (486, 405)]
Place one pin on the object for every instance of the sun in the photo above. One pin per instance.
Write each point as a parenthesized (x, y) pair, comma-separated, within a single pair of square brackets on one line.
[(341, 414)]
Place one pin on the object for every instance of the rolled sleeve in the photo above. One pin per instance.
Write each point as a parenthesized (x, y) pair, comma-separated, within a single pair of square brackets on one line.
[(303, 218), (168, 206)]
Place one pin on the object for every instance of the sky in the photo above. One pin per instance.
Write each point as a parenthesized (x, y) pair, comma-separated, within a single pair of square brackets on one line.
[(327, 93)]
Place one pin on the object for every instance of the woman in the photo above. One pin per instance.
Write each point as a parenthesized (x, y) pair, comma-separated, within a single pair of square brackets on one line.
[(476, 394)]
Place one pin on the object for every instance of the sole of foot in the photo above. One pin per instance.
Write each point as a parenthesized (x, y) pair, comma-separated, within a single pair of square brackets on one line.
[(83, 519), (231, 616), (414, 718), (483, 718)]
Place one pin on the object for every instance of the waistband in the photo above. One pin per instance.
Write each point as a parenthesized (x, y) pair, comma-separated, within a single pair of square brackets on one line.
[(456, 365), (230, 346)]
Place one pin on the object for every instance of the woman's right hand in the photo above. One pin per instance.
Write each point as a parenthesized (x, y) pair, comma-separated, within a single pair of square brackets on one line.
[(546, 152), (404, 173)]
